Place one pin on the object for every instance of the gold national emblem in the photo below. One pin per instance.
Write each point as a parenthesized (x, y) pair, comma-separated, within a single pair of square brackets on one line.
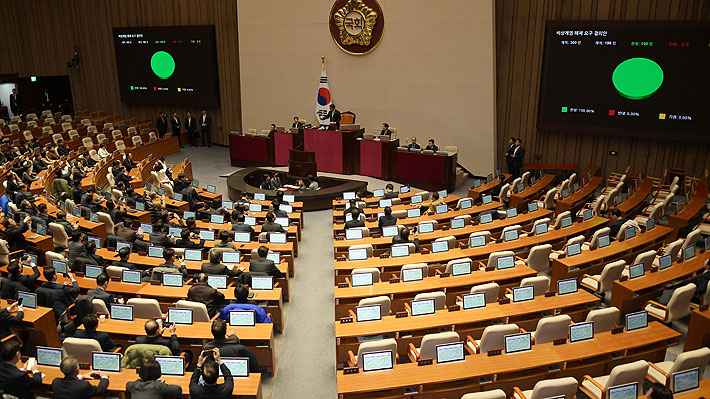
[(357, 25)]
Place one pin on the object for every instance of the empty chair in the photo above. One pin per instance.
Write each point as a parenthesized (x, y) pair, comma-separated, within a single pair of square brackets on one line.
[(551, 328), (31, 116), (92, 130), (646, 258), (27, 135), (692, 239), (73, 134), (4, 253), (490, 291), (86, 122), (439, 298), (367, 247), (548, 200), (594, 242), (384, 301), (56, 137), (94, 155), (400, 214), (50, 256), (604, 319), (539, 258), (451, 240), (99, 306), (504, 195), (458, 203), (620, 375), (132, 131), (678, 306), (514, 184), (108, 125), (120, 146), (515, 227), (116, 134), (427, 348), (59, 235), (525, 178), (598, 205), (574, 240), (661, 372), (199, 310), (87, 143), (101, 138), (375, 272), (558, 219), (450, 264), (540, 284), (602, 283), (145, 308), (485, 233), (66, 126), (388, 344), (423, 266), (494, 394), (553, 388), (152, 137), (81, 348), (137, 140), (115, 271), (672, 249), (538, 222), (105, 218), (493, 338)]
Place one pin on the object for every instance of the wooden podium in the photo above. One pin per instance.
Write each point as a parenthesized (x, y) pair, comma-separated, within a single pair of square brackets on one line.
[(302, 163)]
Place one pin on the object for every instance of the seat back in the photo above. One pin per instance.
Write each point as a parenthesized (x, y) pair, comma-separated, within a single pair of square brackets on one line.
[(137, 140), (687, 360), (628, 373), (604, 319), (56, 136), (87, 143), (81, 348), (105, 218), (539, 257), (505, 192), (449, 264), (514, 185), (199, 310), (388, 344), (439, 298), (449, 239), (540, 284), (539, 222), (597, 206), (575, 240), (375, 272), (66, 126), (525, 178), (673, 248), (646, 258), (145, 308), (515, 227), (493, 257), (427, 349), (484, 233), (549, 198), (556, 387), (691, 239), (458, 203), (551, 328), (365, 230), (621, 235), (594, 242), (116, 134), (490, 291), (98, 306), (494, 336), (27, 135), (494, 394), (558, 219), (423, 266), (679, 304), (59, 235), (101, 138), (610, 273), (384, 301)]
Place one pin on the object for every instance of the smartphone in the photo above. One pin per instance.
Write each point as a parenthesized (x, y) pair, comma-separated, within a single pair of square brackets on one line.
[(209, 352), (251, 295), (19, 301), (167, 324)]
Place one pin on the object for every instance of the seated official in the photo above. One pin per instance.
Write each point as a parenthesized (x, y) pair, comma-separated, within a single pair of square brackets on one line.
[(73, 386), (77, 249), (238, 223), (204, 293), (356, 221), (150, 386), (278, 212), (214, 267), (433, 203), (93, 256), (276, 183), (61, 296), (387, 219), (100, 292), (263, 265), (230, 346), (88, 200), (431, 146), (91, 322), (616, 222), (352, 204), (242, 302), (14, 232), (386, 130), (186, 242), (389, 192), (701, 284), (270, 226), (203, 383), (312, 183), (403, 238), (154, 336), (266, 183), (296, 123), (7, 318), (413, 145), (62, 221), (159, 236), (170, 259), (14, 381), (225, 240), (19, 281)]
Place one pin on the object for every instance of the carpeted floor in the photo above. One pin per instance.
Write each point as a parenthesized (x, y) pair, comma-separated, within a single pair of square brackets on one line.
[(305, 352)]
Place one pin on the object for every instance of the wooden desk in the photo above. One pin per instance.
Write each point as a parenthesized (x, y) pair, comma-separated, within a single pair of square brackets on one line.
[(635, 202), (520, 200), (631, 295), (521, 245), (702, 392), (243, 387), (698, 330), (400, 293), (428, 171), (524, 369), (593, 261), (375, 158), (259, 339), (551, 166), (575, 201), (466, 322), (485, 187), (41, 324), (341, 204), (690, 210)]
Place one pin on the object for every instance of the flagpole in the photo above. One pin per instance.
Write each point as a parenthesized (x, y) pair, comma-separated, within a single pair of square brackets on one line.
[(322, 59)]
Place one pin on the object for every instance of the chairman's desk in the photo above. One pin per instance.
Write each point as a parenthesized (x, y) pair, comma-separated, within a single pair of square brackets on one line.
[(40, 321), (635, 202), (339, 228), (259, 339), (593, 261), (393, 265), (471, 322), (520, 200), (488, 186), (681, 219), (698, 330), (247, 388), (347, 298), (452, 380), (631, 295), (575, 201), (494, 227)]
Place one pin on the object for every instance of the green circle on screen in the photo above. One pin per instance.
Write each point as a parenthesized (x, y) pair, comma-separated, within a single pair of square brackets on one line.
[(637, 78), (162, 64)]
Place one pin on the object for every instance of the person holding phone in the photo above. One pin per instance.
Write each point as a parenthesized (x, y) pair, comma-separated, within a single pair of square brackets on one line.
[(7, 317), (208, 370), (154, 336), (61, 296)]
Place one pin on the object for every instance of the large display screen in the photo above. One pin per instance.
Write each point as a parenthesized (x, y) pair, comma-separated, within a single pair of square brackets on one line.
[(639, 78), (167, 65)]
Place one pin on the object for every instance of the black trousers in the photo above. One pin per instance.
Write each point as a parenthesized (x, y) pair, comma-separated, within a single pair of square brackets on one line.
[(194, 137), (206, 136)]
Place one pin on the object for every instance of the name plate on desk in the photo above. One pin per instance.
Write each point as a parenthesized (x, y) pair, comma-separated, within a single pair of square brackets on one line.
[(345, 320), (503, 301), (394, 280), (490, 268), (454, 308), (495, 352), (343, 285), (705, 307), (654, 269), (384, 256), (399, 315), (425, 362), (559, 341), (114, 278), (351, 370), (617, 329), (444, 275), (623, 278), (340, 259), (549, 294)]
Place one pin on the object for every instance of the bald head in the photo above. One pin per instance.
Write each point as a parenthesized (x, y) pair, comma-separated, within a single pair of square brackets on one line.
[(152, 328)]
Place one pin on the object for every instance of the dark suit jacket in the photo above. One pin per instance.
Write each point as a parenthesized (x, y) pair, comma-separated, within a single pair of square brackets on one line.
[(230, 347), (390, 195), (152, 389), (6, 318), (334, 116), (272, 227), (264, 266), (17, 383), (67, 226), (208, 122), (218, 268), (15, 239), (216, 391), (100, 293), (398, 240), (386, 132), (190, 124), (242, 227), (203, 293), (701, 284), (354, 223), (415, 146), (160, 239), (162, 124), (57, 296), (22, 282), (172, 343), (387, 221), (517, 157), (175, 125), (104, 339), (73, 388), (432, 148), (616, 226)]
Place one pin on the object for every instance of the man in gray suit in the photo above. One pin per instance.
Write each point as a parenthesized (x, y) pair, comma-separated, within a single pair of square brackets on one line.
[(263, 265)]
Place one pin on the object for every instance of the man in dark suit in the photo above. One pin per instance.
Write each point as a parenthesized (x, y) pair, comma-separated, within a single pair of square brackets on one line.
[(15, 103), (89, 331), (403, 238), (129, 163), (296, 123), (154, 336), (387, 219), (431, 146), (355, 222), (509, 154), (270, 226), (162, 124), (214, 267), (278, 212), (14, 381), (386, 130), (238, 223), (62, 220), (71, 387), (100, 291), (6, 318), (616, 222), (413, 145), (175, 127), (57, 296), (204, 293), (230, 346), (205, 125), (263, 265), (207, 370), (334, 116), (517, 159), (160, 237), (17, 281), (191, 128), (14, 232), (190, 195), (389, 192)]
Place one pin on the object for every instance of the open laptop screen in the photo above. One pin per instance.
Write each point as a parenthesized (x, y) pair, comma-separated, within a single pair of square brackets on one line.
[(106, 361), (238, 366), (49, 356), (517, 343), (637, 320), (423, 307), (688, 380), (447, 353), (623, 391), (368, 313), (375, 361), (581, 332), (171, 365)]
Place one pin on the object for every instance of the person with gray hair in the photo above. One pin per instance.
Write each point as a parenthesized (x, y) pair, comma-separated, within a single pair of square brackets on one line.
[(73, 385)]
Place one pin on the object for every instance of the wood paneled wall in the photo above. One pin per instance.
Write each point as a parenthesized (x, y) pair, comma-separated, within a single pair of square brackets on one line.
[(520, 29), (38, 37)]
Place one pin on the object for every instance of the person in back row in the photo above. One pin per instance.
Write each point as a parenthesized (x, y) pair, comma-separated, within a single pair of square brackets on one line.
[(387, 219), (203, 293), (150, 386), (389, 192), (356, 220), (91, 322), (403, 238), (270, 226), (241, 295), (263, 265), (230, 346)]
